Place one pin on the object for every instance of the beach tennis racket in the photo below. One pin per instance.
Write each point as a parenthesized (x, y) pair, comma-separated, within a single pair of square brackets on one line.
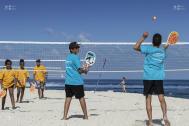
[(90, 58), (3, 93), (173, 38), (32, 87)]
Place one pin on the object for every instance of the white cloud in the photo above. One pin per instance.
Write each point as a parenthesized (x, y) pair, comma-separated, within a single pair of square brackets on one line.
[(66, 36), (84, 37), (9, 7), (179, 7), (50, 31)]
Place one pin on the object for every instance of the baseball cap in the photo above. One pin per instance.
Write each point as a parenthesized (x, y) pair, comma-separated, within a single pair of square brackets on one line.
[(73, 45)]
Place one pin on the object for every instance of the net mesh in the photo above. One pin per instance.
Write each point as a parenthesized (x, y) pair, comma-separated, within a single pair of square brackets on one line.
[(114, 60)]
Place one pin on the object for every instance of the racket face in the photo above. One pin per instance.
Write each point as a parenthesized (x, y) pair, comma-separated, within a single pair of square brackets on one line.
[(32, 87), (90, 58), (2, 93), (173, 37)]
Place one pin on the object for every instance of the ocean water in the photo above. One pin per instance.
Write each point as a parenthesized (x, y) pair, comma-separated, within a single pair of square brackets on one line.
[(173, 88)]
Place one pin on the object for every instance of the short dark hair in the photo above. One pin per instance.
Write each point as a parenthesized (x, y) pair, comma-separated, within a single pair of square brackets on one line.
[(8, 61), (21, 60), (38, 61), (73, 45), (157, 39)]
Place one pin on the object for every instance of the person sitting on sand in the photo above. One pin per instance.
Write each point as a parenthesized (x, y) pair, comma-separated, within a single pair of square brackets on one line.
[(153, 73), (40, 76), (22, 76), (8, 81), (123, 84), (73, 80)]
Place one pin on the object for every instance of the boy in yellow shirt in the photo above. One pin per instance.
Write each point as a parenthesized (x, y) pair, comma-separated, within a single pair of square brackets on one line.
[(22, 78), (39, 75), (7, 81)]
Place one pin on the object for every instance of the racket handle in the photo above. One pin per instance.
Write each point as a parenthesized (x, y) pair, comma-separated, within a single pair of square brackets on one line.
[(86, 66)]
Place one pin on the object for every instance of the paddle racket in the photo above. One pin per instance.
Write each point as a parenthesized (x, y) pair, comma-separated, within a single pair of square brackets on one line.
[(32, 87), (90, 58), (3, 93), (173, 38)]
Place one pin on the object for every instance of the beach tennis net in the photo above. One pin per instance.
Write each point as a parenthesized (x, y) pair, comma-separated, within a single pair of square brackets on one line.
[(114, 59)]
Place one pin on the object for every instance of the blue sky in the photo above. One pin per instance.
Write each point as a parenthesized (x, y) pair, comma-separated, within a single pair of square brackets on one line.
[(91, 20)]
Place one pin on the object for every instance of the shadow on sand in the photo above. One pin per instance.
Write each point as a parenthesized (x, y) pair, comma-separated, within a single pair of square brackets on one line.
[(81, 116), (156, 122)]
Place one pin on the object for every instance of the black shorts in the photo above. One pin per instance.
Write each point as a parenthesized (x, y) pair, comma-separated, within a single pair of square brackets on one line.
[(74, 90), (153, 87)]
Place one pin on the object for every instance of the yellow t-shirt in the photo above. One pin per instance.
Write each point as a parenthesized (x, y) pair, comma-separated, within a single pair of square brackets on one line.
[(22, 75), (40, 73), (7, 77)]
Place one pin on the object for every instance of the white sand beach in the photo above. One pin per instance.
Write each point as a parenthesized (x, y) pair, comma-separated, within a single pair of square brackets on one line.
[(104, 108)]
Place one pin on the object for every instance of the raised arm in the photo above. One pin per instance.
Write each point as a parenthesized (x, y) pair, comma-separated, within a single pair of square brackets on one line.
[(140, 41)]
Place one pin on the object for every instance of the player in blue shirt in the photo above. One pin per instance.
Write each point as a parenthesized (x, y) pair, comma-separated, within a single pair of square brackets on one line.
[(73, 80), (153, 73)]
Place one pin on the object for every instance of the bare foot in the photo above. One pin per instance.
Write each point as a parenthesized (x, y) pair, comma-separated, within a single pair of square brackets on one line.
[(149, 123), (64, 118), (14, 107), (167, 123), (85, 117)]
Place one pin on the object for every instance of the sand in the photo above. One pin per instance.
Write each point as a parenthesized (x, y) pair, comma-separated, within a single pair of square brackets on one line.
[(104, 108)]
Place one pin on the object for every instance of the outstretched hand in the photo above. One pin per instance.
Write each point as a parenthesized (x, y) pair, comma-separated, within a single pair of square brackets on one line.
[(140, 41)]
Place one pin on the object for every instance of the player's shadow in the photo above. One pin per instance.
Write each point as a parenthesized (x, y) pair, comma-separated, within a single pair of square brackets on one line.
[(156, 122), (26, 101), (80, 116), (7, 108), (50, 98)]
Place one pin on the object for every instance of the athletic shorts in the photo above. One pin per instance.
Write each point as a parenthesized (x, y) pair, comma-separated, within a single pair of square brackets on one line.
[(153, 87), (74, 90), (40, 85)]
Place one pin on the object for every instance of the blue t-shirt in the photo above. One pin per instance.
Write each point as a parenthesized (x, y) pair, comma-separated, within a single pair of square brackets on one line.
[(73, 77), (153, 63)]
